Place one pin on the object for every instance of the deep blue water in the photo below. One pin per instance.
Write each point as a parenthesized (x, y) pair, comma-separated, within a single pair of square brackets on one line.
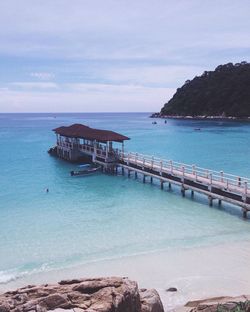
[(102, 216)]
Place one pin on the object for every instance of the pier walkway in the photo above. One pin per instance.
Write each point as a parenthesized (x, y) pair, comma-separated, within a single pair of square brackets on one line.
[(78, 142), (214, 184)]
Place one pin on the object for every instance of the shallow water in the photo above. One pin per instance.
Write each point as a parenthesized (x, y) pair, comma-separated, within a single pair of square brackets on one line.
[(103, 217)]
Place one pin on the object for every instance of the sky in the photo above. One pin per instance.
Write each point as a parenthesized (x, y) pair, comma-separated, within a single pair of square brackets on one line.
[(113, 55)]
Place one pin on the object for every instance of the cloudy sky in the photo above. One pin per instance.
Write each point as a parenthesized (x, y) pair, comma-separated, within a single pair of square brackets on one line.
[(112, 55)]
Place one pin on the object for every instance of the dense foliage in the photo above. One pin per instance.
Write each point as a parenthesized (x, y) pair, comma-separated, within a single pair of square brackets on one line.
[(222, 92)]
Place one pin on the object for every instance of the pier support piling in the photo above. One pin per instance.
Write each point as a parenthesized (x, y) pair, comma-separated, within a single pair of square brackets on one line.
[(169, 185), (210, 200), (219, 202), (244, 214), (144, 178), (135, 174), (183, 191), (192, 193), (122, 171), (151, 179), (162, 184)]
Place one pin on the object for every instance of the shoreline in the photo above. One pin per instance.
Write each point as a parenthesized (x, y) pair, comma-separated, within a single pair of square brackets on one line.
[(226, 274), (216, 118)]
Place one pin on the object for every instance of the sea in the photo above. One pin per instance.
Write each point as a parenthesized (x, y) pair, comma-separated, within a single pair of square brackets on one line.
[(104, 224)]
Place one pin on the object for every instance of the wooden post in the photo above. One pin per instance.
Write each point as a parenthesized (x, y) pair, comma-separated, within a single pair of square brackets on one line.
[(245, 185), (122, 150), (210, 199), (135, 174), (171, 166), (122, 170), (151, 179), (193, 169), (183, 173), (169, 185), (244, 213), (107, 149), (128, 158), (219, 202), (221, 176), (210, 182), (210, 179), (162, 185), (192, 193), (182, 191), (144, 178), (95, 151)]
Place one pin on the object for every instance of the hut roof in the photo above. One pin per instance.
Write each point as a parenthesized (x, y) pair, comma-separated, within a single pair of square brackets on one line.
[(85, 132)]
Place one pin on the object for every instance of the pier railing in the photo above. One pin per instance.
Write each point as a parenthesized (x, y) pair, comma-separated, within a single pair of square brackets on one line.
[(218, 179)]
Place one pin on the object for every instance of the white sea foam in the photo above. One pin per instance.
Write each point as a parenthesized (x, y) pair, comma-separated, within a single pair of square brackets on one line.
[(8, 276)]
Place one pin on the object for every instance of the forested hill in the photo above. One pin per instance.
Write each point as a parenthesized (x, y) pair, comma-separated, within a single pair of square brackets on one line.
[(222, 92)]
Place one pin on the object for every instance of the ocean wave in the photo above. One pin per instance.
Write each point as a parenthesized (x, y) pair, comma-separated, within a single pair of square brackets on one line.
[(11, 275)]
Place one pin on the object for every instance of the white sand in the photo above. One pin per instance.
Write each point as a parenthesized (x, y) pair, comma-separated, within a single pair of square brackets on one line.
[(197, 273)]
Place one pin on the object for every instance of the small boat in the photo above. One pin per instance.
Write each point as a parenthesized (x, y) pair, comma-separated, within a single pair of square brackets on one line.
[(84, 172)]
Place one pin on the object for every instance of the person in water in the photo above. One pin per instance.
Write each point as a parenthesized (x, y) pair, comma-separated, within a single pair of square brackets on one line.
[(47, 190)]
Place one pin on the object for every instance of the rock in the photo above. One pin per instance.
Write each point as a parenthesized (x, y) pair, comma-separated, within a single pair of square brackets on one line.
[(92, 286), (240, 303), (4, 307), (150, 301), (172, 289), (54, 301), (113, 294), (69, 282), (42, 309)]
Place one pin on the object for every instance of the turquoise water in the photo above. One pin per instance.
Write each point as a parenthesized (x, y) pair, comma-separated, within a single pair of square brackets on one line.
[(102, 217)]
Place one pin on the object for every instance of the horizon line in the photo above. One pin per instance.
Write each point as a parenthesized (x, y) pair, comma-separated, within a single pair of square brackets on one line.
[(113, 112)]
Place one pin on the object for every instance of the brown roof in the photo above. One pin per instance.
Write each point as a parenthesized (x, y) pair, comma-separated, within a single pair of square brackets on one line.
[(85, 132)]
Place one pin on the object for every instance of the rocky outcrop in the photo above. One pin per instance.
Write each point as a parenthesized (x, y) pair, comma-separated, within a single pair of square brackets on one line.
[(221, 93), (241, 303), (114, 294), (150, 301)]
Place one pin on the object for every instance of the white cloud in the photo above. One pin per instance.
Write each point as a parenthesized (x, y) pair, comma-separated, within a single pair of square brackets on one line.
[(85, 98), (34, 85), (42, 75)]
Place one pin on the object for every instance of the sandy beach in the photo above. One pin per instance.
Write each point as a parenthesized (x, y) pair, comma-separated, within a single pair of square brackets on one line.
[(196, 273)]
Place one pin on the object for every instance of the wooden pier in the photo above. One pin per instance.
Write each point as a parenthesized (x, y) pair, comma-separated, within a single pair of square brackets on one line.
[(215, 185), (77, 141)]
